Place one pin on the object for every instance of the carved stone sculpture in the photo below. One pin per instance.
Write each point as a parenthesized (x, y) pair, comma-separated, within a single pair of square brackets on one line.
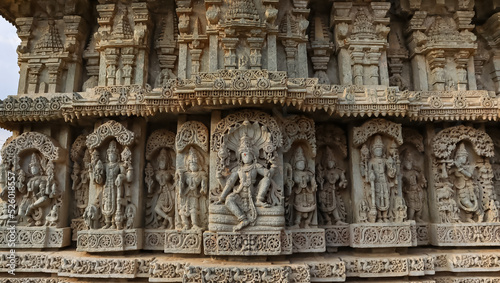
[(193, 188), (331, 180)]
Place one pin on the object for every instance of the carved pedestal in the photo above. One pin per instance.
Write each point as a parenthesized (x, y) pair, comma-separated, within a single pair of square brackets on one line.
[(381, 235), (154, 239), (35, 237), (247, 243), (173, 241), (76, 226), (422, 234), (109, 240), (183, 242), (310, 240), (465, 234), (336, 236)]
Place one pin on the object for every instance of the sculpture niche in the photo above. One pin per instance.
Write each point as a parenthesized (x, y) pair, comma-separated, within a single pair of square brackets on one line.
[(33, 173), (465, 202), (247, 201), (160, 186), (299, 149), (333, 193), (112, 207), (382, 205), (414, 182)]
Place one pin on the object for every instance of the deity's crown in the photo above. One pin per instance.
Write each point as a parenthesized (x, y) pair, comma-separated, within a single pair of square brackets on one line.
[(163, 154), (34, 160), (245, 144), (377, 142), (299, 155), (112, 148), (461, 151), (192, 157)]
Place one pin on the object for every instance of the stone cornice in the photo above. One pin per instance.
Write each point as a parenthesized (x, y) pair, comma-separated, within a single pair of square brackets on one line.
[(235, 88)]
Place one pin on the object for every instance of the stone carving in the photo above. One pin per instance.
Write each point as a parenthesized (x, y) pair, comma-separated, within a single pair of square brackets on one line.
[(464, 185), (33, 195), (161, 203), (111, 205), (192, 146)]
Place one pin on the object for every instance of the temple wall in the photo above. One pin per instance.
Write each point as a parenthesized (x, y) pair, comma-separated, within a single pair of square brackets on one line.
[(252, 141)]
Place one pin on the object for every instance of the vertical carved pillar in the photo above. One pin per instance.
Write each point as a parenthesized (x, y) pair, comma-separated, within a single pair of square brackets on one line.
[(34, 73), (213, 15), (26, 26), (230, 61), (76, 32)]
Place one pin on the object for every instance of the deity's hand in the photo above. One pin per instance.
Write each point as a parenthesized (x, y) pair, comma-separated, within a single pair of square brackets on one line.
[(220, 201), (371, 177), (343, 184)]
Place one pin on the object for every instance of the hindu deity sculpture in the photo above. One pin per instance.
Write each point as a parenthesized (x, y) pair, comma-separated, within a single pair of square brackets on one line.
[(380, 169), (331, 179), (41, 188), (165, 205), (414, 183), (193, 184), (113, 176), (303, 186), (464, 185), (239, 199)]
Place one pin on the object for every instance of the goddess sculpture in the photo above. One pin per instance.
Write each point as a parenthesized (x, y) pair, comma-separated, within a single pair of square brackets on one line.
[(465, 185), (239, 199), (304, 190), (330, 201), (379, 170), (165, 205), (414, 183), (193, 183), (40, 188)]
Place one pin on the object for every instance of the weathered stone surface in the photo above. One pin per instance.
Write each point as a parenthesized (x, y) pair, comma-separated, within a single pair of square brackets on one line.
[(252, 141)]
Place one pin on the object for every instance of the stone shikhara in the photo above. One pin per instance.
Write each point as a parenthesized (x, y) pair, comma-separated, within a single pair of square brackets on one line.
[(229, 140)]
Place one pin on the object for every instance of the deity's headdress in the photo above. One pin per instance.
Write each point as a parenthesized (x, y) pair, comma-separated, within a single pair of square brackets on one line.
[(112, 148), (192, 157), (34, 160), (246, 144), (461, 151), (163, 155), (299, 155), (377, 142)]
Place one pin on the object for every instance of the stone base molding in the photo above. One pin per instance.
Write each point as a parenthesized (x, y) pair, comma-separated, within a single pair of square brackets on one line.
[(379, 235), (109, 240), (35, 237)]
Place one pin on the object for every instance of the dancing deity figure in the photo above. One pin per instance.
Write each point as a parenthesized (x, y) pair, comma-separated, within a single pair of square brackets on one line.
[(304, 188), (239, 199), (40, 188), (165, 205), (465, 185), (379, 170), (414, 183), (330, 201), (193, 184)]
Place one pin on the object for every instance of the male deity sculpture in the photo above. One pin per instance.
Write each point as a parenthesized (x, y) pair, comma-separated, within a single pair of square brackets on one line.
[(331, 179), (41, 188), (380, 169), (193, 183), (165, 205), (113, 176), (239, 200), (464, 185), (303, 186), (81, 181), (414, 183)]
